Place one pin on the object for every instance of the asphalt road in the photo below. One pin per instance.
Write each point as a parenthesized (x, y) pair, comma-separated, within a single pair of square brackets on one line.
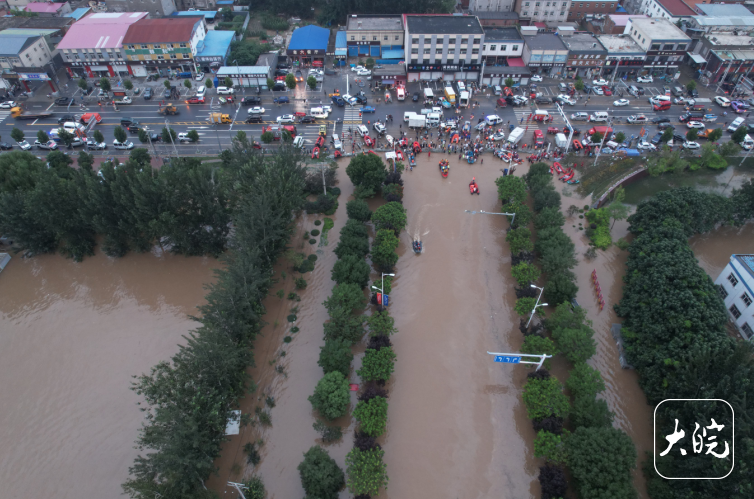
[(213, 138)]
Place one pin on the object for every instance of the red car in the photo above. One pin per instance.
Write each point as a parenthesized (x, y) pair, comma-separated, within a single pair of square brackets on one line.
[(195, 100), (553, 129), (607, 90), (280, 78), (539, 137), (577, 145)]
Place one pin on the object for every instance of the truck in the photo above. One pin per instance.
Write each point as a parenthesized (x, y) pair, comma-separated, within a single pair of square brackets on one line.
[(417, 121), (20, 114), (516, 135), (429, 96), (401, 93), (170, 110), (463, 99), (219, 118), (450, 94), (561, 140)]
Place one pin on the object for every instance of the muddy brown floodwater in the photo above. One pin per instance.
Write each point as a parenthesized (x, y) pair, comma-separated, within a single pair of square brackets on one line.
[(71, 336)]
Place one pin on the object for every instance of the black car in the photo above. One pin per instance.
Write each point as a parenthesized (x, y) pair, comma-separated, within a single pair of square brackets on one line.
[(693, 93), (133, 128), (656, 138), (281, 72), (415, 97), (308, 119), (148, 93), (664, 125), (254, 119), (251, 101), (5, 146), (64, 101), (543, 100), (677, 138), (279, 87), (660, 120), (329, 72), (361, 100), (66, 118)]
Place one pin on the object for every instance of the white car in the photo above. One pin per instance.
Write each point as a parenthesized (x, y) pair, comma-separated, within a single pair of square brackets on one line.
[(493, 119), (379, 128), (183, 137), (695, 124), (92, 144), (256, 110), (535, 78), (363, 72), (390, 140), (50, 146), (24, 145), (646, 146), (286, 118), (598, 91), (358, 68), (639, 118), (567, 100), (480, 126), (448, 124), (580, 116), (498, 136), (599, 83), (621, 102), (8, 104), (520, 99), (200, 76), (122, 145), (351, 100), (645, 79), (722, 101), (691, 145)]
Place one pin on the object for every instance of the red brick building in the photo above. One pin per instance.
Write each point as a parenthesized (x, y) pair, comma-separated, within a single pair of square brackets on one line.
[(581, 9), (615, 24)]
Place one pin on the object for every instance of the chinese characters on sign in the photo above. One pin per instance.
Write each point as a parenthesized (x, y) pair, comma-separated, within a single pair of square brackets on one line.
[(697, 441)]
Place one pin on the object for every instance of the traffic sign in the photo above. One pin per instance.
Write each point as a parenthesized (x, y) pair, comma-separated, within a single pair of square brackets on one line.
[(507, 359)]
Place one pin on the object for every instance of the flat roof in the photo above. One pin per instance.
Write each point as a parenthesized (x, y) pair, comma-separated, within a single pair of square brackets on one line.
[(659, 29), (544, 41), (211, 14), (723, 10), (216, 43), (43, 7), (162, 30), (12, 45), (677, 8), (501, 34), (622, 19), (443, 25), (341, 40), (78, 13), (102, 30), (242, 70), (746, 261), (621, 44), (734, 55), (724, 21), (309, 38), (729, 39), (583, 42), (374, 23), (496, 15)]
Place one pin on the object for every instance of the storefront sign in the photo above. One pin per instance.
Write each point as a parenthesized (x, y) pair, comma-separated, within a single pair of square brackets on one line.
[(34, 76), (305, 52), (363, 43), (545, 65), (671, 52), (417, 67), (585, 62)]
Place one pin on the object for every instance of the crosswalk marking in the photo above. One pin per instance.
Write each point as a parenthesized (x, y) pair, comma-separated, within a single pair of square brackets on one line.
[(3, 115), (351, 116)]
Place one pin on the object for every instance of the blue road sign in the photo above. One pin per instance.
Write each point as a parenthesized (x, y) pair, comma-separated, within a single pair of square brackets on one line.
[(507, 359)]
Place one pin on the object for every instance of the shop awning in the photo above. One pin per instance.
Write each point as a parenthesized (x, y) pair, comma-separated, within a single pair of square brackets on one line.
[(540, 25), (697, 58), (516, 62), (392, 54), (341, 52)]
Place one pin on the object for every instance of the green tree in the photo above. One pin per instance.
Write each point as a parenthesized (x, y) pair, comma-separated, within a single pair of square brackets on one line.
[(739, 135), (377, 365), (193, 136), (208, 83), (590, 412), (390, 215), (584, 381), (270, 83), (98, 137), (59, 160), (367, 172), (290, 81), (519, 240), (336, 355), (369, 64), (522, 211), (551, 447), (546, 198), (524, 273), (667, 135), (85, 161), (169, 135), (560, 287), (710, 159), (143, 136), (579, 84), (596, 137), (691, 135), (351, 270), (576, 344), (544, 397), (141, 157), (228, 82), (620, 137), (728, 148), (331, 396), (372, 415), (536, 344), (42, 137), (254, 488), (348, 297), (17, 134), (312, 82), (166, 83), (104, 84), (381, 324), (341, 305), (691, 85), (601, 460), (120, 134), (549, 217), (320, 475), (83, 85), (511, 189), (66, 137), (715, 135), (358, 209), (524, 306), (509, 82), (367, 473), (267, 137), (128, 84), (354, 240), (384, 256), (187, 83)]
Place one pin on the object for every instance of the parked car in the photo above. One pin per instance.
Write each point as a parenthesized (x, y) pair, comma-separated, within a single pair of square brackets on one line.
[(9, 104), (184, 137), (24, 145), (379, 128), (599, 83), (286, 118), (122, 145), (50, 146), (148, 93), (251, 101), (5, 146), (64, 101), (415, 97), (639, 119), (645, 79), (199, 76), (92, 144), (535, 78), (645, 146), (691, 145)]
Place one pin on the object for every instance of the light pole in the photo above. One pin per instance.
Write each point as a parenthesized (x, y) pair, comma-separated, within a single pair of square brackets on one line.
[(240, 81), (570, 128), (492, 213), (602, 142), (541, 290), (167, 126), (383, 286)]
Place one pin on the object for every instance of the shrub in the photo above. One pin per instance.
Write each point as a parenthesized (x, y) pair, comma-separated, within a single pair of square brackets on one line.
[(367, 473), (524, 306), (522, 211), (390, 216), (601, 461), (312, 257), (585, 381), (381, 324), (331, 397), (590, 412), (254, 488), (325, 203), (525, 273), (329, 433), (622, 244), (551, 423), (314, 232), (320, 475), (358, 209), (544, 397), (372, 416), (318, 222), (576, 343), (601, 235), (351, 270), (552, 480), (551, 447), (519, 240), (384, 256), (392, 192), (536, 344), (377, 365), (336, 355), (300, 283), (312, 241)]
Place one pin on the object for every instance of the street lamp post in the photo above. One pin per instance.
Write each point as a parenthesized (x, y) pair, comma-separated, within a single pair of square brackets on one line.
[(171, 137), (541, 290), (240, 81), (383, 286)]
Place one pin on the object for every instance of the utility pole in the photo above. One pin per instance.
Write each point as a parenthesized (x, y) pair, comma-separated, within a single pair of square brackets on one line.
[(167, 125)]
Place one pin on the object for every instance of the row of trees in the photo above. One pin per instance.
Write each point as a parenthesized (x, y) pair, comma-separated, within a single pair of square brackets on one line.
[(675, 335), (188, 399)]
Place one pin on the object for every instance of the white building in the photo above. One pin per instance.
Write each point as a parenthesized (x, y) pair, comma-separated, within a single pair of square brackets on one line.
[(543, 11), (736, 286), (491, 5)]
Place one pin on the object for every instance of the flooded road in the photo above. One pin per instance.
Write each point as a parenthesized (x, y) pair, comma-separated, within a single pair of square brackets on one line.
[(71, 336), (713, 250)]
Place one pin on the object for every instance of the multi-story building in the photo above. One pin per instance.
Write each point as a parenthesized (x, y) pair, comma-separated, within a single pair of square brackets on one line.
[(544, 53), (166, 43), (500, 44), (725, 56), (736, 286), (624, 56), (586, 55), (370, 36), (674, 10), (722, 10), (552, 12), (155, 8), (582, 10), (664, 43), (491, 5), (495, 18), (23, 51), (48, 9), (214, 50), (93, 46), (615, 24), (443, 47)]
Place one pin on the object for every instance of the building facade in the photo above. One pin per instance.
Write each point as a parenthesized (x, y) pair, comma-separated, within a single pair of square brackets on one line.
[(585, 9), (166, 43), (736, 286), (370, 36), (664, 43), (674, 10), (23, 51), (586, 55), (624, 56), (544, 53), (500, 44), (491, 5), (615, 24), (443, 47), (531, 11), (155, 8), (308, 45), (214, 50)]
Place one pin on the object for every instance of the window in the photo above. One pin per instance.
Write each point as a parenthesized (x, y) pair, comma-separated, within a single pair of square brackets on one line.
[(515, 47), (451, 52), (426, 51), (503, 48), (363, 38), (734, 311), (438, 51), (415, 41), (526, 4), (396, 38), (603, 5), (384, 38), (477, 41), (537, 4), (159, 58), (668, 46), (548, 4), (353, 38), (464, 41), (414, 51), (655, 46), (552, 12), (681, 46), (463, 51), (474, 51), (732, 279), (723, 292), (544, 13), (562, 12), (536, 13), (747, 329), (187, 56), (374, 38), (143, 46), (746, 299), (492, 47), (526, 13), (565, 4), (581, 5), (425, 61)]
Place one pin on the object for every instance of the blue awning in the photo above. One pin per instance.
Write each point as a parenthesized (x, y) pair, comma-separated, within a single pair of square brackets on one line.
[(392, 54), (341, 52)]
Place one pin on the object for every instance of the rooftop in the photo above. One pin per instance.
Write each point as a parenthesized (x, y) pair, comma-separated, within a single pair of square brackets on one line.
[(622, 19), (677, 8), (432, 25), (583, 42), (374, 23), (746, 261), (43, 7), (103, 30), (242, 70), (12, 45), (211, 14), (501, 34), (729, 39), (659, 29), (723, 10), (620, 44), (216, 43), (309, 38), (162, 30), (734, 55), (724, 21), (545, 41), (496, 15), (79, 13), (269, 59)]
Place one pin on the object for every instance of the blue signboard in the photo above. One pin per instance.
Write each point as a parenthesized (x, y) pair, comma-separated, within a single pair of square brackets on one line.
[(385, 300), (507, 359)]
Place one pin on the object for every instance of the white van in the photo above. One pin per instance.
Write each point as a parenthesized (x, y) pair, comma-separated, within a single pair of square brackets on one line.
[(225, 91), (658, 99), (598, 116), (428, 94), (336, 143), (407, 115), (318, 112), (735, 124), (461, 86), (541, 115), (426, 111), (433, 119), (494, 119), (299, 142), (200, 91), (437, 110), (363, 130)]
